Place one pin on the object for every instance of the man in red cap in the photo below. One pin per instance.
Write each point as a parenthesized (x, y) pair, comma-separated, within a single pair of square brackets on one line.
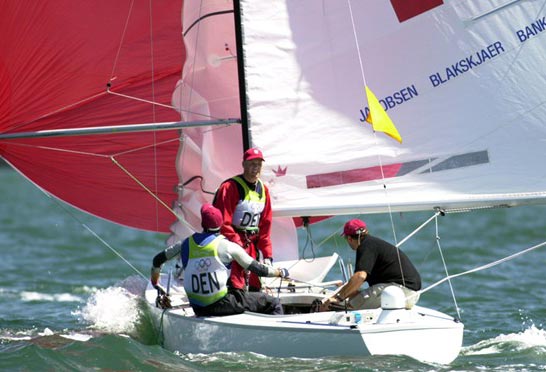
[(379, 263), (204, 258), (246, 208)]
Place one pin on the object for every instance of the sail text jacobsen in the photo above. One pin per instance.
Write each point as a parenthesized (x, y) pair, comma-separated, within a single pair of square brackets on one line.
[(466, 64), (397, 98)]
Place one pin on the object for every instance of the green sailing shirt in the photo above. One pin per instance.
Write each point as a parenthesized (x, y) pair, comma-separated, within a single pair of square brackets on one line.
[(205, 276), (248, 211)]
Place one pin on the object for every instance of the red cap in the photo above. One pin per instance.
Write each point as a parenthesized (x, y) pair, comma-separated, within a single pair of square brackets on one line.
[(211, 217), (252, 154), (353, 227)]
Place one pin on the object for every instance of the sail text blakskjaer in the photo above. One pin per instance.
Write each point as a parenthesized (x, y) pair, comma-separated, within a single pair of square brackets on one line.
[(466, 64)]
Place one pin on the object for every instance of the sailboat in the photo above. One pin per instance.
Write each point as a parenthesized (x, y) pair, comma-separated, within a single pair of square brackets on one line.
[(100, 126)]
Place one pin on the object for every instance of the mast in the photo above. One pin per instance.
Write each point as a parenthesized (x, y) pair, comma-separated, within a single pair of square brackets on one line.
[(241, 74)]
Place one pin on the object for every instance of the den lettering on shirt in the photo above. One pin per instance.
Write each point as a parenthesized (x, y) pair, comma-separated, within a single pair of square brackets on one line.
[(205, 282)]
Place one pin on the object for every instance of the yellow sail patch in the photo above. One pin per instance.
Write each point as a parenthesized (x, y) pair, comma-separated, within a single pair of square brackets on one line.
[(378, 118)]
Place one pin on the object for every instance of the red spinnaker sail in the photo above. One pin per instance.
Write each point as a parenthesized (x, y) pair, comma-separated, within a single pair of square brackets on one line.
[(56, 58)]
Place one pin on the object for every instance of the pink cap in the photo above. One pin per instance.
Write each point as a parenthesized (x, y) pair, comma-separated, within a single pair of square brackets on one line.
[(353, 227), (211, 217), (252, 154)]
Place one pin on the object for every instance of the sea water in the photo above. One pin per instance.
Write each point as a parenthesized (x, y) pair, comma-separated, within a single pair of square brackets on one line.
[(69, 302)]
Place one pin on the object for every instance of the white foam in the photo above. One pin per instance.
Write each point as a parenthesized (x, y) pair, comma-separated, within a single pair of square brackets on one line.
[(112, 310), (19, 336), (46, 332), (28, 334), (528, 338), (59, 297), (78, 337)]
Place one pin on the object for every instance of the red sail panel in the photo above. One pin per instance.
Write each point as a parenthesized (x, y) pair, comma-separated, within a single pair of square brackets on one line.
[(56, 59), (407, 9)]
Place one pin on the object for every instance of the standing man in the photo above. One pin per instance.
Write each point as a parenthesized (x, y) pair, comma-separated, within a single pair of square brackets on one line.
[(246, 209), (204, 257), (379, 263)]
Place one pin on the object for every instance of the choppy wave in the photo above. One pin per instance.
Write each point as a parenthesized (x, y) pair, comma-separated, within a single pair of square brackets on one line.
[(33, 334), (530, 338), (56, 297)]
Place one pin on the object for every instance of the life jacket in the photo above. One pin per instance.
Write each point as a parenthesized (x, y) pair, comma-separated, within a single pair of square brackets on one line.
[(205, 276), (247, 213)]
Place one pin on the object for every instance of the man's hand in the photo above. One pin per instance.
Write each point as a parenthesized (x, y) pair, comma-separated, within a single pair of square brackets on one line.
[(327, 302), (268, 261), (283, 273), (160, 290), (162, 300)]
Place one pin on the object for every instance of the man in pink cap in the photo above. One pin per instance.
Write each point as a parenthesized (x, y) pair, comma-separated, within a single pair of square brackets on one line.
[(246, 208), (204, 258), (379, 263)]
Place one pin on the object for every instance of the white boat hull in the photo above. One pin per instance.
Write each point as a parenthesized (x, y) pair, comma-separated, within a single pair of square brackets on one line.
[(420, 333)]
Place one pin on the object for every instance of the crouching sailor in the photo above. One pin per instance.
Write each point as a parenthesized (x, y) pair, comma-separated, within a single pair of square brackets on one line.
[(204, 258)]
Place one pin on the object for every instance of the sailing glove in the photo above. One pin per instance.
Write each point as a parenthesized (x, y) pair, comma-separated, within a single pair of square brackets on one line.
[(283, 273), (163, 301)]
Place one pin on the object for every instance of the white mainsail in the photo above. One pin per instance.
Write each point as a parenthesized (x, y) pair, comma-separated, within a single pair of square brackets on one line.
[(463, 82)]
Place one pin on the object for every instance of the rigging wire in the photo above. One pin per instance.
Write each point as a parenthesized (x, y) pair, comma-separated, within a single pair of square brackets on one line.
[(483, 267), (448, 277), (445, 266), (154, 118), (92, 232), (420, 227), (114, 65), (390, 213), (154, 195)]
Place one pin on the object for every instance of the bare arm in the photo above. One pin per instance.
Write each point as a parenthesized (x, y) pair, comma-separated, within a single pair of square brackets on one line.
[(350, 289), (229, 251), (162, 257)]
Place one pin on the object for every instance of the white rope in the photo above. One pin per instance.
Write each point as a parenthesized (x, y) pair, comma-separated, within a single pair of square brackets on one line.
[(139, 99), (152, 194), (356, 42), (114, 65), (59, 110), (487, 266)]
